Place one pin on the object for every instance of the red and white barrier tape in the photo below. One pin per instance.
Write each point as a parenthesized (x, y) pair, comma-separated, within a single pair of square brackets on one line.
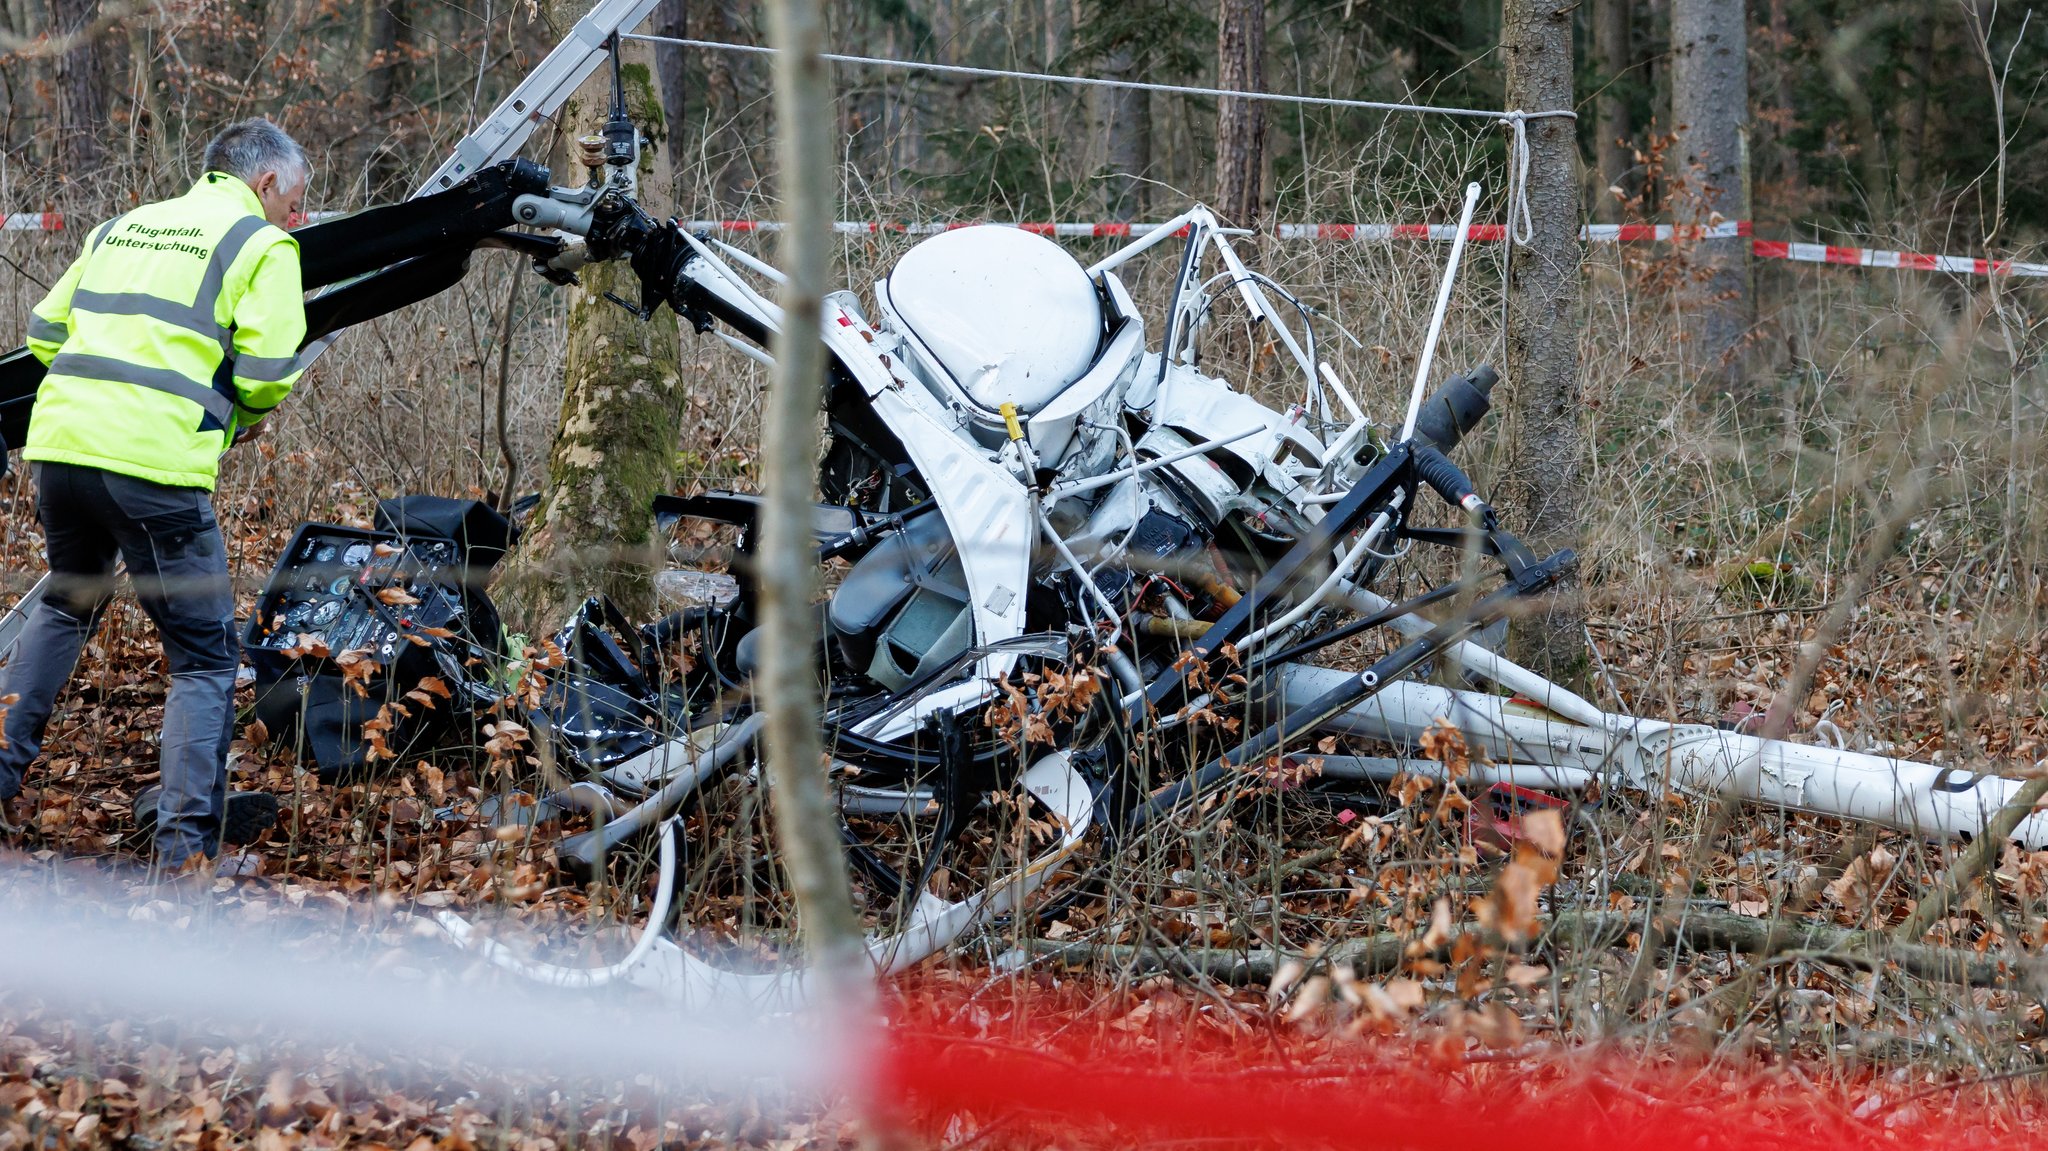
[(1876, 258), (1592, 233)]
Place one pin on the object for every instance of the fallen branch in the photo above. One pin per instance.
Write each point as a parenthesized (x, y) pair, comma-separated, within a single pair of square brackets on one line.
[(1822, 942), (1973, 862), (1572, 930)]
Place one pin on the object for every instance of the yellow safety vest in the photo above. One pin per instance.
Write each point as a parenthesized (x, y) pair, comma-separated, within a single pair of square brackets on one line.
[(178, 324)]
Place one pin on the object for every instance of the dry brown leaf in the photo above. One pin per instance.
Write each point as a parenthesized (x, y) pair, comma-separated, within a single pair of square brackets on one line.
[(1313, 994), (1545, 829), (1445, 743), (1512, 906), (1439, 932), (1285, 977), (1862, 878)]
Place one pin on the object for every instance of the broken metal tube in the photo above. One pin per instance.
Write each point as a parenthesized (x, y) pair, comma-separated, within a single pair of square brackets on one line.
[(1381, 769), (465, 935), (1436, 318), (583, 855), (1492, 665), (1920, 798)]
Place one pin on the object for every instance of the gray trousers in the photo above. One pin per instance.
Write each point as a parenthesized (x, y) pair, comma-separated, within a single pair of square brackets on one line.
[(176, 560)]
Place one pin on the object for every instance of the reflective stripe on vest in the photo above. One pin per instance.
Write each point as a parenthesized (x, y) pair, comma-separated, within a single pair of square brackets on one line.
[(46, 330), (196, 317), (110, 370), (106, 229), (265, 369)]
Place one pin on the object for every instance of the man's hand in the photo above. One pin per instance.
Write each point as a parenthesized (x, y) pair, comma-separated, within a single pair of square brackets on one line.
[(244, 435)]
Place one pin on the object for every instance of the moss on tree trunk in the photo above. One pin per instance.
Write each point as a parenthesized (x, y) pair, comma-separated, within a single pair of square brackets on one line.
[(622, 404)]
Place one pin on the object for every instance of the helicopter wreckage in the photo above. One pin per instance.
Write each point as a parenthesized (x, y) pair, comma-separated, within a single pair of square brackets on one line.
[(1076, 568)]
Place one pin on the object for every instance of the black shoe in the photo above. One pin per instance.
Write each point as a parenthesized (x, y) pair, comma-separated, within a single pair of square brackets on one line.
[(249, 814)]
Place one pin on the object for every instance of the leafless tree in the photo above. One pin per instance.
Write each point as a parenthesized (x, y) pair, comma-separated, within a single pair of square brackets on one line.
[(807, 833), (81, 87), (1709, 108), (1240, 124), (1542, 480)]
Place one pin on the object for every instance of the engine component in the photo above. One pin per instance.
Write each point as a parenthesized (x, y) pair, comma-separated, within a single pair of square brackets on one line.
[(1456, 407), (904, 608)]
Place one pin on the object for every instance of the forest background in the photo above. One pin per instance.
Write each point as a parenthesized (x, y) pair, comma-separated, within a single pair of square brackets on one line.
[(1861, 118)]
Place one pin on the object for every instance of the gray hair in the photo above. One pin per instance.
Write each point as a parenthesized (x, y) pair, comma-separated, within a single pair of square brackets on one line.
[(248, 148)]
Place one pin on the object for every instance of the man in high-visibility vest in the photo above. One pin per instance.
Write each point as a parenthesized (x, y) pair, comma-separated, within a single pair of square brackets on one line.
[(174, 332)]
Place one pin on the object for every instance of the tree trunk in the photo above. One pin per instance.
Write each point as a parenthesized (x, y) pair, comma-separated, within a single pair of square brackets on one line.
[(385, 48), (672, 81), (1846, 58), (862, 105), (1124, 125), (81, 89), (1613, 130), (1913, 111), (1710, 113), (904, 125), (1240, 124), (154, 127), (1057, 16), (946, 33), (671, 64), (807, 830), (725, 143), (1541, 484), (622, 404), (20, 74), (1784, 165), (1699, 929)]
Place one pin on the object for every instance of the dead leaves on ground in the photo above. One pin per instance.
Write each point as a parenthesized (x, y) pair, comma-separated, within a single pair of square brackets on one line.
[(1025, 711)]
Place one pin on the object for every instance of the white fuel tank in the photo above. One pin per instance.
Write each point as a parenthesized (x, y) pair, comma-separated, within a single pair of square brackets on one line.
[(1009, 315)]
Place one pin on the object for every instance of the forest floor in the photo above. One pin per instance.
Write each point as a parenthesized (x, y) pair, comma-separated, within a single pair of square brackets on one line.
[(1549, 988)]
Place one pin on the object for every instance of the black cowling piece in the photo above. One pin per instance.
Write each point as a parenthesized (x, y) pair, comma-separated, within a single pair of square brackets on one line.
[(604, 644), (482, 534), (601, 726), (960, 780), (1456, 407), (20, 375)]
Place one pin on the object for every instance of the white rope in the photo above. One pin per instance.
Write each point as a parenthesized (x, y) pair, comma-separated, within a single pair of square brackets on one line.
[(1100, 82), (1521, 223), (1521, 227)]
